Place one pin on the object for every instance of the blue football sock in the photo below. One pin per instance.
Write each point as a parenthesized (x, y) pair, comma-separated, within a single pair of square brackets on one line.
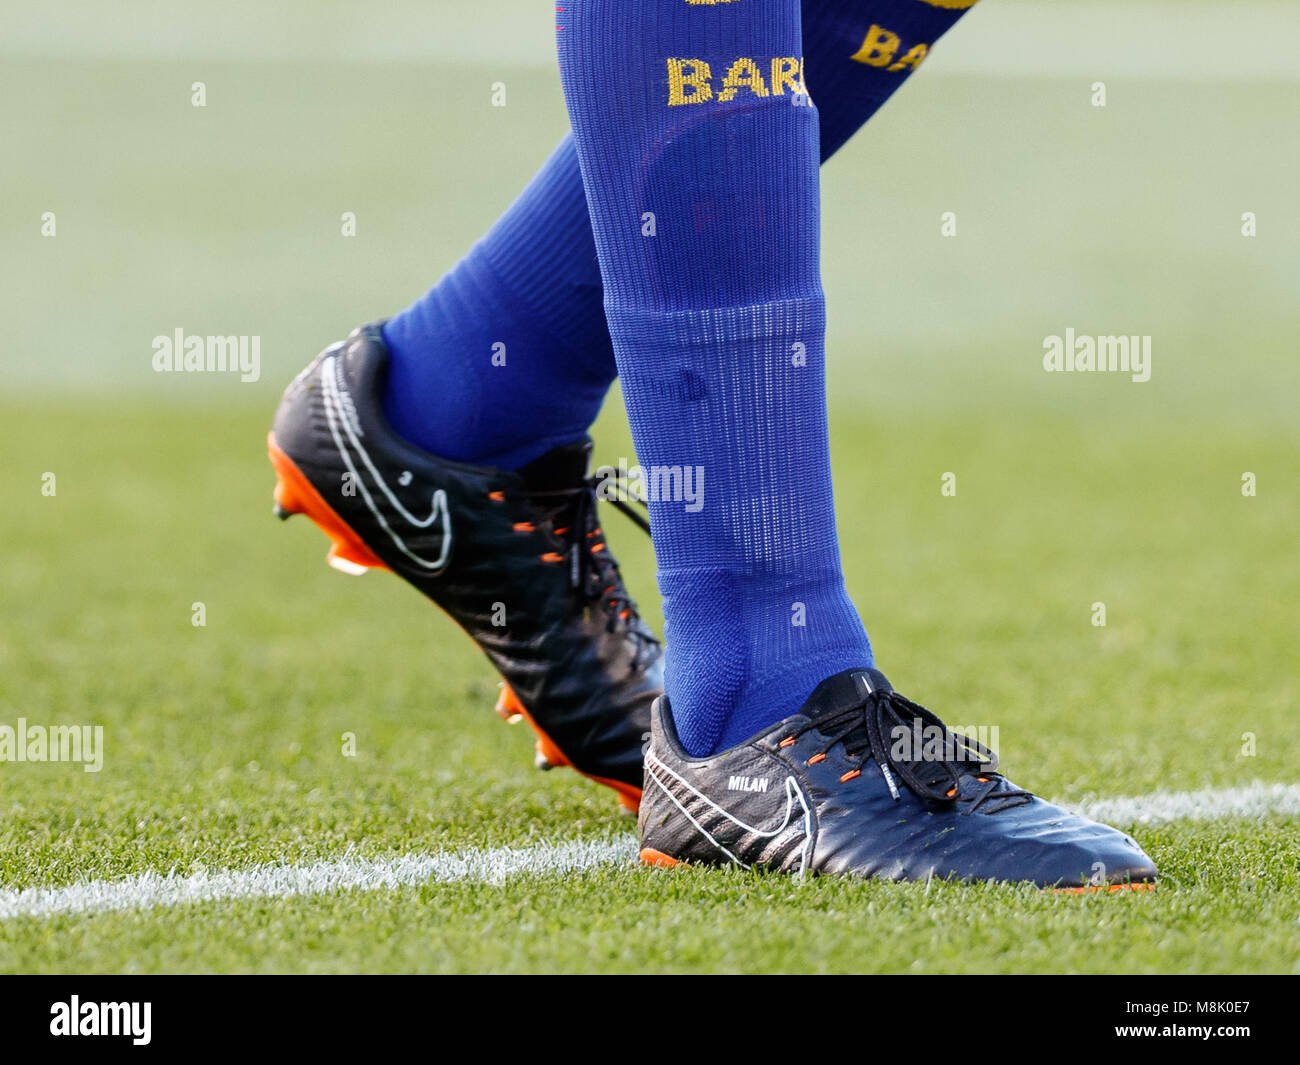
[(509, 354), (699, 152), (858, 52)]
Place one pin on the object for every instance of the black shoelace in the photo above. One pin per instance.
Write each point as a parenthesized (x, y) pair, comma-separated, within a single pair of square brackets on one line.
[(884, 726), (592, 569)]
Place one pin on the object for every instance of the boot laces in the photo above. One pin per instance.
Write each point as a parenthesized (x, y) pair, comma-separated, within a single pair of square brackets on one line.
[(593, 570), (961, 771)]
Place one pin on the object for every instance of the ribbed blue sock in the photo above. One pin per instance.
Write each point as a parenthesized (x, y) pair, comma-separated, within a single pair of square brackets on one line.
[(699, 152), (858, 52), (509, 354)]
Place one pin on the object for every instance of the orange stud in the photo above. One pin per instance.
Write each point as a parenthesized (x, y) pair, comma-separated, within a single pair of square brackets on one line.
[(658, 858), (508, 708)]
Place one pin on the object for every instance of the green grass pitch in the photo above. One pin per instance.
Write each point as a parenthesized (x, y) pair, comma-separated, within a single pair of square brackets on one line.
[(223, 744)]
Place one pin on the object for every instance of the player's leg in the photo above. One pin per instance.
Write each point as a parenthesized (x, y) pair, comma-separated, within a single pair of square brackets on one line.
[(859, 52), (700, 161), (508, 355), (504, 364), (516, 557), (776, 740)]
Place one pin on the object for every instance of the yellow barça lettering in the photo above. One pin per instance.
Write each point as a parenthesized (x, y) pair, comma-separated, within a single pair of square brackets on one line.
[(692, 75), (880, 46), (742, 74), (690, 81), (787, 72)]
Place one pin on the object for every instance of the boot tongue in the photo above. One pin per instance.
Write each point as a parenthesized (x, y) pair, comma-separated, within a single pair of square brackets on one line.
[(838, 693), (564, 467)]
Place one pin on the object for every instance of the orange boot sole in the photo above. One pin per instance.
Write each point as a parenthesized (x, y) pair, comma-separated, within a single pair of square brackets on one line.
[(1092, 889), (663, 861), (295, 494), (549, 756)]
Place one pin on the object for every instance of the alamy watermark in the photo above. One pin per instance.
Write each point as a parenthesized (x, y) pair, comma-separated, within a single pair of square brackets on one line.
[(1098, 354), (179, 353), (920, 742), (658, 484), (53, 743), (132, 1020)]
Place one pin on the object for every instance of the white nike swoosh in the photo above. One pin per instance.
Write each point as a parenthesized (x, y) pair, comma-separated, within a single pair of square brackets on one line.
[(341, 427), (792, 792)]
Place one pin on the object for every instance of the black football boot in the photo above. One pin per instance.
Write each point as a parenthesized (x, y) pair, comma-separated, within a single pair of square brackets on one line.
[(840, 788), (518, 559)]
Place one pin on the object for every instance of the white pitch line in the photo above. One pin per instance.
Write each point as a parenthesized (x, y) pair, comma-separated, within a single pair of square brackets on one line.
[(498, 864), (147, 890), (1254, 800)]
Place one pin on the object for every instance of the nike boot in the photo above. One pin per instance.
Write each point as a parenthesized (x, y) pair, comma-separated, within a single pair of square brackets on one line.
[(842, 787), (516, 558)]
